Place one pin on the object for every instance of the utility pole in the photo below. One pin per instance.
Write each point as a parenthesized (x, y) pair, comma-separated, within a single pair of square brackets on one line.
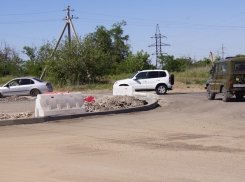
[(158, 44), (223, 51), (69, 25)]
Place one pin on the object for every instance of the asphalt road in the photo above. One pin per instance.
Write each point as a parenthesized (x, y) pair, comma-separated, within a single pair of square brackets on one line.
[(187, 139)]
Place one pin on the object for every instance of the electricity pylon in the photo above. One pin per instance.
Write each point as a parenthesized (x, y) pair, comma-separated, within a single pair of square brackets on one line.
[(158, 44)]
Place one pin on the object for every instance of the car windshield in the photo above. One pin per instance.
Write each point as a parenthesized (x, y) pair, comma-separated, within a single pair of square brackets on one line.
[(239, 66), (134, 74)]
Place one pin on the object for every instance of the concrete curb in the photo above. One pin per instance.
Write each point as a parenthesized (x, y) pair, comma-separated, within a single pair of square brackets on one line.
[(61, 117)]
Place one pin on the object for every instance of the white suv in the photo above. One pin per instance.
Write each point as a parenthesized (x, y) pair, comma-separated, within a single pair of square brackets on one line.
[(158, 80)]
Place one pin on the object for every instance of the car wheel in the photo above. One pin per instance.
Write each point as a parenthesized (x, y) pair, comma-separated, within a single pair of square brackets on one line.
[(161, 89), (34, 92), (225, 96), (210, 94), (239, 97), (1, 96)]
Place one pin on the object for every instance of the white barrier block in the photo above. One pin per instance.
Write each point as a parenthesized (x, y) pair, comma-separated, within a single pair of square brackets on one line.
[(130, 91), (59, 104), (123, 90)]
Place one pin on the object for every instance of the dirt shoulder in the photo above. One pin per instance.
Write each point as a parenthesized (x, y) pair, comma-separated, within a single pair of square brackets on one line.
[(181, 87)]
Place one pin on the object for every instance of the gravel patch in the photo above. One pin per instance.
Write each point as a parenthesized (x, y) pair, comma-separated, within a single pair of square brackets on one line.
[(4, 116), (14, 99), (113, 103), (99, 104)]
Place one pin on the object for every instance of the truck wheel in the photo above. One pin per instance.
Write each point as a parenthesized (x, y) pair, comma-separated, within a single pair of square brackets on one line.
[(210, 94), (225, 95), (161, 89), (239, 97)]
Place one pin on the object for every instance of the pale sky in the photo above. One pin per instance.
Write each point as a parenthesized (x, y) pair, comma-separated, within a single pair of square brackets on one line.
[(193, 27)]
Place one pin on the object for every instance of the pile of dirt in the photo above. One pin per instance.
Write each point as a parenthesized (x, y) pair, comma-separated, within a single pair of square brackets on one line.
[(113, 103), (13, 99)]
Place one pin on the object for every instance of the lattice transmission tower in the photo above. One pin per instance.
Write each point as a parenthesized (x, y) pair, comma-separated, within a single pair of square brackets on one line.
[(158, 44)]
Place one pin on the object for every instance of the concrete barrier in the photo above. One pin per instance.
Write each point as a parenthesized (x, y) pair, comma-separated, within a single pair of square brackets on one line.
[(123, 90), (130, 91), (59, 104)]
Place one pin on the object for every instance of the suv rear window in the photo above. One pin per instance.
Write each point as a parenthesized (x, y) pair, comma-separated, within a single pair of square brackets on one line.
[(153, 74), (162, 74)]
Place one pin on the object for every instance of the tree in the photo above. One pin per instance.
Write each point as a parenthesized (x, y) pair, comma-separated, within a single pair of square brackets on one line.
[(9, 60), (66, 66), (120, 49), (134, 62), (240, 55), (37, 59), (171, 64), (179, 64)]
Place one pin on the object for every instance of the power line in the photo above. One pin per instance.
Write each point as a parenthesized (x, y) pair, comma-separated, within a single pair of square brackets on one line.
[(31, 21), (28, 13)]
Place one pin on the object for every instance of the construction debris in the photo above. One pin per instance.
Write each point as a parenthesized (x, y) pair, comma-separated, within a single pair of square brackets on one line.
[(29, 114), (113, 103), (99, 104)]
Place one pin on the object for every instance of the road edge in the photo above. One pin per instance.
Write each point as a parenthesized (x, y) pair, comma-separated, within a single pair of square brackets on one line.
[(10, 122)]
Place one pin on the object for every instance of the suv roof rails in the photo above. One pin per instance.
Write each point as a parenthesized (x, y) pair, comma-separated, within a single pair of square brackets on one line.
[(231, 57)]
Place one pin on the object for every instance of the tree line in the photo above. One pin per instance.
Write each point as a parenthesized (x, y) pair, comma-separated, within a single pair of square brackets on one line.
[(98, 54), (103, 52)]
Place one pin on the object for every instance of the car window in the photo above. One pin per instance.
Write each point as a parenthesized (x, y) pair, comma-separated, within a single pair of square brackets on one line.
[(162, 74), (153, 74), (141, 75), (26, 82), (134, 74), (219, 68), (239, 66), (224, 67), (13, 83)]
